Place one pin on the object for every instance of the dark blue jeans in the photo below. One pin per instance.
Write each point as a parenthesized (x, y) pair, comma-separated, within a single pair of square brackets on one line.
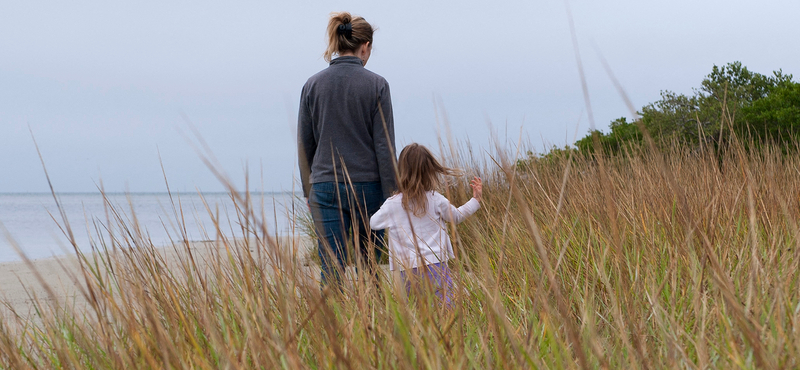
[(341, 213)]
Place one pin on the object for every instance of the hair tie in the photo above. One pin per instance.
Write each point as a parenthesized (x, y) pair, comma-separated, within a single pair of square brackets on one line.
[(345, 29)]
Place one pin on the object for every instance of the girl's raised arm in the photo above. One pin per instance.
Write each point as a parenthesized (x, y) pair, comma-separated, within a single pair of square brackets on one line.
[(449, 212)]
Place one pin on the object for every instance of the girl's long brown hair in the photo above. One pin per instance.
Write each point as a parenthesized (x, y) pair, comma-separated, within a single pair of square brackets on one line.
[(419, 173)]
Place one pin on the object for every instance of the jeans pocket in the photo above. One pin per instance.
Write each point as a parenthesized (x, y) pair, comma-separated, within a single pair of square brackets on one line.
[(323, 195), (371, 195)]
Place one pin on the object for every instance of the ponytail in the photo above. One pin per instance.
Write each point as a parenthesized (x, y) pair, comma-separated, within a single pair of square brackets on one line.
[(346, 33)]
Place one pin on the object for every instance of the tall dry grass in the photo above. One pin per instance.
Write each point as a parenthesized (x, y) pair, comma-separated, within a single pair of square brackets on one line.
[(646, 260)]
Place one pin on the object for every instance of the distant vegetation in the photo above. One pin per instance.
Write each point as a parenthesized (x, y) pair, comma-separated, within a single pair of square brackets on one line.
[(732, 101)]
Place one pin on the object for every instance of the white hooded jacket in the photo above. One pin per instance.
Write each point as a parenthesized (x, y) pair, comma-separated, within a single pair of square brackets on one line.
[(432, 241)]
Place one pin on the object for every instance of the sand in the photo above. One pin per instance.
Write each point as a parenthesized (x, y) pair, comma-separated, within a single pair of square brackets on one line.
[(21, 283)]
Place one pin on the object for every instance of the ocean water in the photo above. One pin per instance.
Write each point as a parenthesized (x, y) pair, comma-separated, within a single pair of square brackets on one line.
[(29, 218)]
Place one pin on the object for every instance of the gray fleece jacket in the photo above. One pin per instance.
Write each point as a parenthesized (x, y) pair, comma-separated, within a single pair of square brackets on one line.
[(340, 126)]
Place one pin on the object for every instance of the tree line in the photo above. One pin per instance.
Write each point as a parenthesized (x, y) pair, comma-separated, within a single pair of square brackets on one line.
[(732, 103)]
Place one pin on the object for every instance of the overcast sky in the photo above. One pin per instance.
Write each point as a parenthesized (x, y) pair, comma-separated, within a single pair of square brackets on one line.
[(104, 85)]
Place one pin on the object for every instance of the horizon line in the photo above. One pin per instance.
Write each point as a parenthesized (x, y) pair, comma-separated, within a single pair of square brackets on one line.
[(137, 192)]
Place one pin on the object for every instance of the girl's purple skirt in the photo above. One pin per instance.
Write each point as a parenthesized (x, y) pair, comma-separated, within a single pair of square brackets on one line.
[(438, 275)]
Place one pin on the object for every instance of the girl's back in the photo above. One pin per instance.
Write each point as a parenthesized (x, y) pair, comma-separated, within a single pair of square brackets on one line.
[(420, 239)]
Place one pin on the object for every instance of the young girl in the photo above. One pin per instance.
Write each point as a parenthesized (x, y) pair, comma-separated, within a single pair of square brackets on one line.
[(416, 217)]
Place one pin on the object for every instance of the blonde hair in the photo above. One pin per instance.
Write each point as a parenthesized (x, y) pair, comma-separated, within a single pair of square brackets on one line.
[(418, 173), (360, 32)]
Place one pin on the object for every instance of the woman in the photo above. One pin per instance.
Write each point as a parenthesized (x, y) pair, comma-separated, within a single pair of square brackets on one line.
[(345, 136)]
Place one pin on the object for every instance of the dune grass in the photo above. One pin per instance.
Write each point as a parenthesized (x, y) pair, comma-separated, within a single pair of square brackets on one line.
[(686, 259)]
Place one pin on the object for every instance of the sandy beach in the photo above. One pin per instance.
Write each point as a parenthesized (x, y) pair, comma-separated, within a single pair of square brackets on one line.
[(21, 283)]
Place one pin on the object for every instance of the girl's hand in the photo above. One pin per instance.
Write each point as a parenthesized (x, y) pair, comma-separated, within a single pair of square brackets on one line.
[(477, 188)]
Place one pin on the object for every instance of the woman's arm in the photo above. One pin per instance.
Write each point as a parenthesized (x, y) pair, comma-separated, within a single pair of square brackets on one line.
[(306, 143), (383, 140)]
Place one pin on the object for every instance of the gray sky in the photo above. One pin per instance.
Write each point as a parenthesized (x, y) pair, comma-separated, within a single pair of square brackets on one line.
[(103, 85)]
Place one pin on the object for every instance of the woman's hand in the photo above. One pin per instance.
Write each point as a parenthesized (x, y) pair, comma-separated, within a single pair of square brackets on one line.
[(477, 188)]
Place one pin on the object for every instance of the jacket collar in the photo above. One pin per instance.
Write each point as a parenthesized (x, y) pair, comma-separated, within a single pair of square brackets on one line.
[(349, 59)]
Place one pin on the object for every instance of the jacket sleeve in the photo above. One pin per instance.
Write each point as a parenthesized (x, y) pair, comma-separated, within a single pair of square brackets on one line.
[(383, 140), (381, 219), (450, 213), (306, 143)]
